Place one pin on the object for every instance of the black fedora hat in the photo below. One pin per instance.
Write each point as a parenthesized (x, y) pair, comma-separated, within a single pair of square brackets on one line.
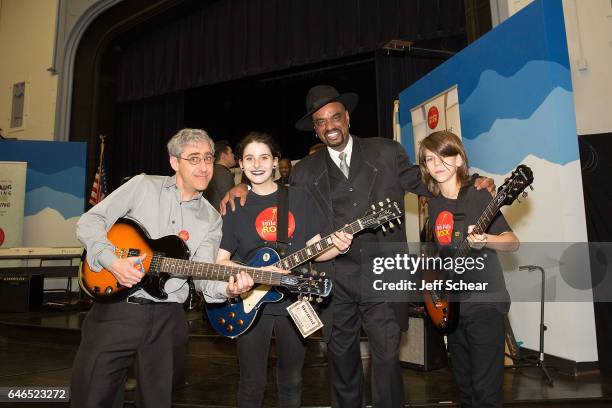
[(319, 96)]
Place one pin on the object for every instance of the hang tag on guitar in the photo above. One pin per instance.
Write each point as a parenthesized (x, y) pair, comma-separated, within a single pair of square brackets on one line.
[(304, 317)]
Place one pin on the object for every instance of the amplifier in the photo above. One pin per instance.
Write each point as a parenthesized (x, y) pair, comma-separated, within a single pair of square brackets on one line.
[(21, 293), (422, 346)]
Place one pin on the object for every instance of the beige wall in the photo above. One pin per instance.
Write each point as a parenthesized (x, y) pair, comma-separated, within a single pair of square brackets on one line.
[(27, 34)]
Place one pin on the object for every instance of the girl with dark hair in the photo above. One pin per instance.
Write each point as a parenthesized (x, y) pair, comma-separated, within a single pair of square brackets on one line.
[(246, 230), (477, 345)]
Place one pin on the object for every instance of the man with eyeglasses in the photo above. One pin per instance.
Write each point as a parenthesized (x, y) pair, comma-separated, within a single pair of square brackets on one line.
[(114, 334)]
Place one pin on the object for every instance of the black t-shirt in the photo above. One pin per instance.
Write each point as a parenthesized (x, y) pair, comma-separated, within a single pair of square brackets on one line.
[(441, 221), (254, 226)]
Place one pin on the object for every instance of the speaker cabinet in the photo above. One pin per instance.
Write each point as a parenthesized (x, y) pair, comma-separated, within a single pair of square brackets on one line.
[(21, 293), (422, 347)]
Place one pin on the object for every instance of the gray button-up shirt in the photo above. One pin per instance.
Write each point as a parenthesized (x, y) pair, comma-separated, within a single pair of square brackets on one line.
[(155, 203)]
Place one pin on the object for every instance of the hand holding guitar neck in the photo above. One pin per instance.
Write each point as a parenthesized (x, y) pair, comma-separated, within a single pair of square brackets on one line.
[(342, 241), (240, 283)]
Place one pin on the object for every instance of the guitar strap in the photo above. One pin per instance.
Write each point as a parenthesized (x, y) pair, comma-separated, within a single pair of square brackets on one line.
[(459, 227), (282, 220)]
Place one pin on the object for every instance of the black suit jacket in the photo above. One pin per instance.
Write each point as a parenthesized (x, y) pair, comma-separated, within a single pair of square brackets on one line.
[(386, 171)]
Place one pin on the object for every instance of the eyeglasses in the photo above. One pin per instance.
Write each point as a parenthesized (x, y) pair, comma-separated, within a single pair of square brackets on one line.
[(195, 160), (334, 119)]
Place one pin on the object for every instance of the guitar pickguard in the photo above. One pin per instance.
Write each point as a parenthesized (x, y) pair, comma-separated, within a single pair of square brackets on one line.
[(251, 299)]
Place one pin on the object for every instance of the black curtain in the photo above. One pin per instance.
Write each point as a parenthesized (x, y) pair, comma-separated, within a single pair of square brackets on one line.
[(142, 130), (232, 39), (396, 71), (595, 154)]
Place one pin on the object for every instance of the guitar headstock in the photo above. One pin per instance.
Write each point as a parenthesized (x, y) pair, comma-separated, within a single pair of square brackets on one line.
[(382, 213), (513, 186), (308, 283)]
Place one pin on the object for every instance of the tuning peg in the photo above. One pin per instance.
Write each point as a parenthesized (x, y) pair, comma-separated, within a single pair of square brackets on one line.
[(383, 228), (373, 207), (399, 220), (388, 200), (531, 187), (380, 203), (309, 298), (391, 225), (524, 194)]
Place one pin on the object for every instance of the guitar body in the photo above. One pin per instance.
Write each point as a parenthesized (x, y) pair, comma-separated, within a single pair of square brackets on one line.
[(443, 313), (233, 318), (103, 286)]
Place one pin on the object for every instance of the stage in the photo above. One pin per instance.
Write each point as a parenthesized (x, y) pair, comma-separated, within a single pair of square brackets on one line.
[(37, 349)]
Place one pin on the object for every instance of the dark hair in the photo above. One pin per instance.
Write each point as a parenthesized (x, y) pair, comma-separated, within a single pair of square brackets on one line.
[(221, 146), (444, 144), (258, 137)]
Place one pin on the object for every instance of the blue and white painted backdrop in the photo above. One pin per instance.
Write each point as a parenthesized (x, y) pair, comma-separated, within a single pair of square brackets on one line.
[(55, 189), (516, 106)]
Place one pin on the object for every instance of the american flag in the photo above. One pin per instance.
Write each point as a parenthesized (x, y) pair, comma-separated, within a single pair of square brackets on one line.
[(99, 190)]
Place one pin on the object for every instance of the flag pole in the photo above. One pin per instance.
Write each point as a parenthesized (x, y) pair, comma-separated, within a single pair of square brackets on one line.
[(96, 192)]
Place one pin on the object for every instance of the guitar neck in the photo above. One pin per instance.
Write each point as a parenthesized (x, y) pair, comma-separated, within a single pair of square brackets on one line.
[(481, 225), (313, 250), (210, 271)]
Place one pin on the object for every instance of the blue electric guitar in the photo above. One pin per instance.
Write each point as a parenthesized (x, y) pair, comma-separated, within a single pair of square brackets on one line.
[(233, 318)]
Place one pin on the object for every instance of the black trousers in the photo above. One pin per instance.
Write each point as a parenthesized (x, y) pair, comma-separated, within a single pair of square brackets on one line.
[(344, 354), (253, 349), (477, 355), (117, 334)]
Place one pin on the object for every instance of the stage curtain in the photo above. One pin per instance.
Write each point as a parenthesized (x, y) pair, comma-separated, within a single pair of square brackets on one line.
[(142, 130), (395, 72), (232, 39)]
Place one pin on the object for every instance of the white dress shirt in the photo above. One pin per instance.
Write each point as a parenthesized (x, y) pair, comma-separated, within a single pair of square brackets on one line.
[(335, 155)]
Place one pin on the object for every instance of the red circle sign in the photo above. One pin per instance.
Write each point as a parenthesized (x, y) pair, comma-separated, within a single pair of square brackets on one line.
[(433, 117), (1, 236)]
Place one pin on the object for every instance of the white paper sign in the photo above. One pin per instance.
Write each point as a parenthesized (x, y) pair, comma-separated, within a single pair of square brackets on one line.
[(12, 198), (304, 317)]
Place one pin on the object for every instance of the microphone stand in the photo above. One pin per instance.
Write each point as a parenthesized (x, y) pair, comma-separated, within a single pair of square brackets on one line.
[(540, 357)]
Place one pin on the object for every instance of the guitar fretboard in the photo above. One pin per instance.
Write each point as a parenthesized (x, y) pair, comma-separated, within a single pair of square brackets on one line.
[(316, 249), (210, 271), (481, 225)]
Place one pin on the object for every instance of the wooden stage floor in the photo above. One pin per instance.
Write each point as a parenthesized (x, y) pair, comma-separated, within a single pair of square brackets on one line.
[(37, 349)]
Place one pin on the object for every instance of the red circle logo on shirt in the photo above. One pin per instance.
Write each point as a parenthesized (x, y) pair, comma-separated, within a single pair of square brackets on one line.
[(184, 235), (265, 224), (444, 227), (433, 117)]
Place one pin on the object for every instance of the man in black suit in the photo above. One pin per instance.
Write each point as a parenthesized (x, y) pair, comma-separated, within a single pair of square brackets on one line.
[(345, 178)]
